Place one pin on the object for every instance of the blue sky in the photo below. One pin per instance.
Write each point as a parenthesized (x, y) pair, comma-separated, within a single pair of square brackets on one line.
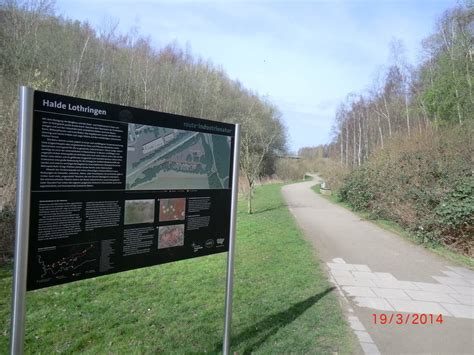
[(304, 56)]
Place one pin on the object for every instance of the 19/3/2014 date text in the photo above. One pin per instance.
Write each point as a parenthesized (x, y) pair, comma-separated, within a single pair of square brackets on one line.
[(407, 318)]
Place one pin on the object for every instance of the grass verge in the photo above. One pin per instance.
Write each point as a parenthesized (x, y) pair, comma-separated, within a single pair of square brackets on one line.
[(282, 301), (394, 227)]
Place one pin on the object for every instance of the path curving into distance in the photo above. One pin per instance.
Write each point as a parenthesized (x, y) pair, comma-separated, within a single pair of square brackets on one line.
[(378, 272)]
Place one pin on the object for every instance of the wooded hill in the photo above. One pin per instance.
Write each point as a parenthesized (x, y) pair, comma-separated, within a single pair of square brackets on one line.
[(50, 53), (404, 150)]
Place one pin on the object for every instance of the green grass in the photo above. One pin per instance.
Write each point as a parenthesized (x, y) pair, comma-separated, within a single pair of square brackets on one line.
[(399, 230), (282, 300), (333, 198), (317, 188)]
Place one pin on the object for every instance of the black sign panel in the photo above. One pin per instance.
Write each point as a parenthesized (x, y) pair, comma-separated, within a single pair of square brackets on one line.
[(116, 188)]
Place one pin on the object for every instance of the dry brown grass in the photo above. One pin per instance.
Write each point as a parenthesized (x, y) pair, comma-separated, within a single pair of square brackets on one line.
[(8, 134), (291, 169)]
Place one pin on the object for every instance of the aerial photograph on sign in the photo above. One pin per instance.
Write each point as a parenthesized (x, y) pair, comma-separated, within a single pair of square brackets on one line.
[(172, 209), (139, 211), (163, 158), (171, 236)]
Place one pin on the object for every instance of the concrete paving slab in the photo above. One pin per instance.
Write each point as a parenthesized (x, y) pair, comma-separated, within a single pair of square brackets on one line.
[(354, 291), (355, 323), (430, 296), (431, 287), (391, 293), (360, 267), (350, 281), (463, 299), (401, 285), (455, 281), (363, 336), (340, 266), (461, 311), (462, 271), (373, 302), (452, 274), (467, 291), (342, 273), (418, 307), (370, 349), (364, 275), (385, 276), (347, 280)]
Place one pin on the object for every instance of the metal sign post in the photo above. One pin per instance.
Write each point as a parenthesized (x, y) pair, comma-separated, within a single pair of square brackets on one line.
[(230, 255), (25, 134), (38, 193)]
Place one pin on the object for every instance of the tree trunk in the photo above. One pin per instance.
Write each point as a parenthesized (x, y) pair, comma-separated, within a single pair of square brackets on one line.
[(450, 50), (347, 145), (353, 144), (249, 200), (388, 116), (408, 115), (249, 205), (380, 133), (78, 72), (342, 148), (359, 152)]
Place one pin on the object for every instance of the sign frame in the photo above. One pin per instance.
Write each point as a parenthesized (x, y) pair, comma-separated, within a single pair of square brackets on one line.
[(23, 215)]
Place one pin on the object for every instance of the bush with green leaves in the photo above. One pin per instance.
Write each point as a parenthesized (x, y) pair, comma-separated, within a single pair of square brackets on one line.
[(356, 190), (424, 183), (455, 215)]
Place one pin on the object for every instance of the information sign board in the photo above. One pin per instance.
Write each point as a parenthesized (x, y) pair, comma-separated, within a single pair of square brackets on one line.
[(115, 188)]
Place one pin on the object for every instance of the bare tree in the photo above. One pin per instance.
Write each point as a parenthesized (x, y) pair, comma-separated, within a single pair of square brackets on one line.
[(259, 136)]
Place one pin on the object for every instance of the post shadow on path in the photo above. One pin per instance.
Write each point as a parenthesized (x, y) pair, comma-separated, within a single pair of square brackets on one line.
[(258, 333)]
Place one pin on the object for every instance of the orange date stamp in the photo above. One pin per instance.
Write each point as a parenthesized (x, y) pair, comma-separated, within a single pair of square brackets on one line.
[(407, 318)]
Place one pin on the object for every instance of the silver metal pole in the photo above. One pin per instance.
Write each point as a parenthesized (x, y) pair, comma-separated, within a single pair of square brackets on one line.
[(230, 254), (25, 134)]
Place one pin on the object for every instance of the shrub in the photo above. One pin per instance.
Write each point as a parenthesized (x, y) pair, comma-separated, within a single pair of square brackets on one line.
[(290, 169), (453, 224), (357, 190), (7, 228), (424, 183)]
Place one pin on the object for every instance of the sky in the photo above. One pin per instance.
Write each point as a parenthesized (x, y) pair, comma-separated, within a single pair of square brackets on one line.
[(303, 56)]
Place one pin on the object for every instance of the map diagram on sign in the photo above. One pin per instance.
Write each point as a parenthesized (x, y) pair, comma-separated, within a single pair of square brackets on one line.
[(67, 261), (163, 158)]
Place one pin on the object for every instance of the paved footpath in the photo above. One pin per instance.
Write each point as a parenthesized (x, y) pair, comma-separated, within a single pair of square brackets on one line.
[(378, 272)]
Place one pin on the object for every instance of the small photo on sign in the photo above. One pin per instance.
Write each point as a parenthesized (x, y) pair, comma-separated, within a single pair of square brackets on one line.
[(171, 236), (139, 211), (172, 209)]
